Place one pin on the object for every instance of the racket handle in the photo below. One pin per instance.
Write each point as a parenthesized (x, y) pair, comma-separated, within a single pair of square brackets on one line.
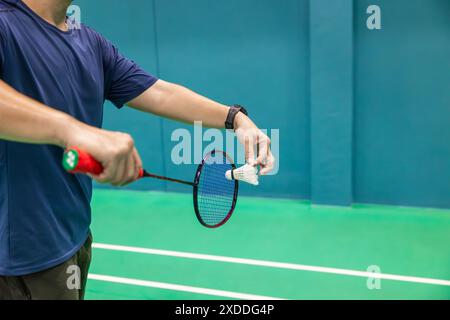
[(78, 161)]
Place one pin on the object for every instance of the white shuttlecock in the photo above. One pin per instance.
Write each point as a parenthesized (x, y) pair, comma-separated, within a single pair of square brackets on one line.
[(245, 173)]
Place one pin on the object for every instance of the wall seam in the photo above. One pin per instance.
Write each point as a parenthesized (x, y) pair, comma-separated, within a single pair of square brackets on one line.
[(158, 74)]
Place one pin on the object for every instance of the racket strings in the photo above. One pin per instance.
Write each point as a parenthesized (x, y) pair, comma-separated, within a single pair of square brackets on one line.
[(215, 193)]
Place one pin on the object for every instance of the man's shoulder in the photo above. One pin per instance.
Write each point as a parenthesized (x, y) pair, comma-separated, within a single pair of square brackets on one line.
[(92, 34), (87, 29), (84, 29)]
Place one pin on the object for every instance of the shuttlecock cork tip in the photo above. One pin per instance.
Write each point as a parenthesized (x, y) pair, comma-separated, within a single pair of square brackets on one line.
[(246, 173), (229, 175)]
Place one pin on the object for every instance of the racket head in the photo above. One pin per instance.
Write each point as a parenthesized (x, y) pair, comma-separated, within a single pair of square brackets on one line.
[(215, 196)]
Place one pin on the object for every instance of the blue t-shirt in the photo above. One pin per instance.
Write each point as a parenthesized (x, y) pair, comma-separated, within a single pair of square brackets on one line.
[(45, 212)]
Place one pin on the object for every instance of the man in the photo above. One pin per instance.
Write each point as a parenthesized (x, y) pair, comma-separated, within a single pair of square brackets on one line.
[(53, 83)]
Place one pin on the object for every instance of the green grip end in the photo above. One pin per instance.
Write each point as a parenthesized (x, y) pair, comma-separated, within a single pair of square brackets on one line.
[(70, 160)]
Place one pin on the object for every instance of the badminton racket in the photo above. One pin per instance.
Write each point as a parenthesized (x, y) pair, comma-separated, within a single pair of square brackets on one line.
[(214, 195)]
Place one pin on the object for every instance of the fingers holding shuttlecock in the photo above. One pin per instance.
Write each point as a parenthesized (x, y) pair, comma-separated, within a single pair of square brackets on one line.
[(247, 173)]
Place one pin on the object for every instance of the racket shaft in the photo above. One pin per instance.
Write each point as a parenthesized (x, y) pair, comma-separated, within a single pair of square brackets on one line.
[(78, 161), (154, 176)]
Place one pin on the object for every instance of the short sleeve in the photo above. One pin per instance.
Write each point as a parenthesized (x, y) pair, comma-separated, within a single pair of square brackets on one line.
[(124, 79)]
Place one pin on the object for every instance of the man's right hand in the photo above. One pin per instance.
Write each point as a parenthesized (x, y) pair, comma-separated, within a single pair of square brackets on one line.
[(114, 150)]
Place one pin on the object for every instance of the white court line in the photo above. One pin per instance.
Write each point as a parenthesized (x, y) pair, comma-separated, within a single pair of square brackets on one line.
[(176, 287), (271, 264)]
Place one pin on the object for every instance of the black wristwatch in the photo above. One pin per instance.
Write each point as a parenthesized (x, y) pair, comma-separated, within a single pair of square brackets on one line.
[(234, 110)]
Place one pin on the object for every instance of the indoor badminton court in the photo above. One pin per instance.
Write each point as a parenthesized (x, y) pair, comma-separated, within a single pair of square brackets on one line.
[(354, 96), (363, 184)]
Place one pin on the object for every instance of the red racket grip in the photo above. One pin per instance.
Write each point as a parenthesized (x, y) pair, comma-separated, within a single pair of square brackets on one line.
[(78, 161)]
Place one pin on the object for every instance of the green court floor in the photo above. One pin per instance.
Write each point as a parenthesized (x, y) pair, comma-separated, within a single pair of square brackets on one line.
[(150, 246)]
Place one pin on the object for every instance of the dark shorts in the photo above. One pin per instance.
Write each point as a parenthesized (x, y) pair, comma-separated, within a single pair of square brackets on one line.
[(66, 281)]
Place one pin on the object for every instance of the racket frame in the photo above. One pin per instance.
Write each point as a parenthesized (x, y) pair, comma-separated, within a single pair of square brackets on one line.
[(197, 182)]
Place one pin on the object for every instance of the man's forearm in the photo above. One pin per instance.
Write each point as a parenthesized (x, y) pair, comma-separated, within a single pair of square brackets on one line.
[(25, 120), (178, 103)]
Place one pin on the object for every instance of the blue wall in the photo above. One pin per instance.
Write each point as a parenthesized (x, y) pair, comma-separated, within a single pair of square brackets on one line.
[(249, 52), (402, 104), (364, 115), (331, 105)]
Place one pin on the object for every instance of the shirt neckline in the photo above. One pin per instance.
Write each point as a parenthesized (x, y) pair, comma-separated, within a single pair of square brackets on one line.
[(42, 20)]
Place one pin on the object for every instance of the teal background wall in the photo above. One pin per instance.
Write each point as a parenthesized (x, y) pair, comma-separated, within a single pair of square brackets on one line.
[(331, 77), (402, 104), (249, 52), (364, 115)]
